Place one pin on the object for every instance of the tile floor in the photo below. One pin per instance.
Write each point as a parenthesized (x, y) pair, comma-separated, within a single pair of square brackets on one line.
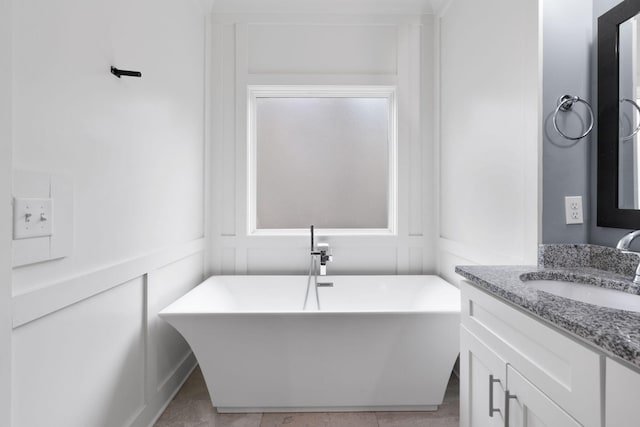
[(192, 408)]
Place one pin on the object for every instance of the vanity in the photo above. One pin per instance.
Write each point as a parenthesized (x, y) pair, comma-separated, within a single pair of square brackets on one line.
[(530, 357), (537, 347)]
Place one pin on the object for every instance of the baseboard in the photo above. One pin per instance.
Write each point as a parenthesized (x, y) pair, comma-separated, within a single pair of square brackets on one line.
[(156, 405)]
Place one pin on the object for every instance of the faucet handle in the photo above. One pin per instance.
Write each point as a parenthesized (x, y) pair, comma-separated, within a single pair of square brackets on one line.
[(323, 246), (325, 250)]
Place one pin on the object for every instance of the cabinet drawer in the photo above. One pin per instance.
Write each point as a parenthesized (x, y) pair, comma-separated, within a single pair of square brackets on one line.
[(559, 366)]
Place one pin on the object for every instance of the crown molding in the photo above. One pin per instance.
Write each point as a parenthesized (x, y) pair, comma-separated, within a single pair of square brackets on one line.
[(207, 5), (414, 7), (440, 7)]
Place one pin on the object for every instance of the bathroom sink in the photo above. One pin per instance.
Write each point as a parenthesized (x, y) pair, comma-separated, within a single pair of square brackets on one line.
[(588, 293)]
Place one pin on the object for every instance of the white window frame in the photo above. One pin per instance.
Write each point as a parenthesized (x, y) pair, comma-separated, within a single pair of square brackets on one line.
[(321, 91)]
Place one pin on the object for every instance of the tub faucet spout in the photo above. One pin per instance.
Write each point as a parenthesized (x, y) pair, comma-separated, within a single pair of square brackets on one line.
[(623, 245), (325, 256), (322, 251), (319, 252)]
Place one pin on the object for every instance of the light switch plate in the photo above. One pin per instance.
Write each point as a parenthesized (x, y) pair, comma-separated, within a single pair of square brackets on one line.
[(32, 218)]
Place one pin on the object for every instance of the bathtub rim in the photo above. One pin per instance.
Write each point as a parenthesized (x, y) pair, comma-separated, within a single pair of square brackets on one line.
[(167, 311)]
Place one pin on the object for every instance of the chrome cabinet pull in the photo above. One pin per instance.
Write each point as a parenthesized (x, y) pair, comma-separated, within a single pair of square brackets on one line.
[(507, 396), (491, 408)]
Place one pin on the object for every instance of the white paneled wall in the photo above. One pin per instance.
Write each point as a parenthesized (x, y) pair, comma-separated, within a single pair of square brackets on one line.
[(82, 364), (166, 348), (88, 346), (488, 136), (107, 359), (321, 49), (5, 212), (133, 147)]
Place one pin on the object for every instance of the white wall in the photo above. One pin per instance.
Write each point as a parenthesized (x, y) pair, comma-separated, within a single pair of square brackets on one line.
[(488, 138), (5, 212), (88, 348), (317, 49)]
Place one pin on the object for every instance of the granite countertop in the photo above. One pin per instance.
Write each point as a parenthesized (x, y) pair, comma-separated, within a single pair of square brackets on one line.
[(615, 332)]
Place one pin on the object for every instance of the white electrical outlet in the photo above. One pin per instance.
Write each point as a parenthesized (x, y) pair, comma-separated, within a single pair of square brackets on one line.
[(573, 209)]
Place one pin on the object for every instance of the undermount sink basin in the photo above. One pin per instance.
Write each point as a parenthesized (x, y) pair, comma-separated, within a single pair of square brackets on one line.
[(588, 293)]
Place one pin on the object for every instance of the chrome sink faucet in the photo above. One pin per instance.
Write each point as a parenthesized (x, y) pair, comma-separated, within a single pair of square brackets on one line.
[(623, 245)]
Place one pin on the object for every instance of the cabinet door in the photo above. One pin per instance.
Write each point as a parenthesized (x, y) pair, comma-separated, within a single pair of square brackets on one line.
[(482, 383), (565, 370), (527, 406), (622, 396)]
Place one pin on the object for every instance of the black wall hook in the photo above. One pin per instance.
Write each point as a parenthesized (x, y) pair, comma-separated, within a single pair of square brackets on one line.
[(118, 73)]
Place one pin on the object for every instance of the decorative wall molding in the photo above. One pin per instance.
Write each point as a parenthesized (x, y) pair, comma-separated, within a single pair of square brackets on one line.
[(440, 7), (452, 253), (499, 226), (479, 254), (238, 63), (327, 6), (207, 5), (41, 302), (6, 159), (153, 409)]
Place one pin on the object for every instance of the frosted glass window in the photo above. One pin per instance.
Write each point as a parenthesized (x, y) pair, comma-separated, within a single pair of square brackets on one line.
[(325, 161)]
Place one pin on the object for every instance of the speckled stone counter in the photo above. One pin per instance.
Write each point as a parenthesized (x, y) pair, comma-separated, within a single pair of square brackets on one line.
[(615, 332)]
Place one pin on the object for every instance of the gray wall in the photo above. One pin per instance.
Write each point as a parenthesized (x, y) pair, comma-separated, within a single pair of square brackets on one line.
[(599, 235), (567, 39), (570, 66)]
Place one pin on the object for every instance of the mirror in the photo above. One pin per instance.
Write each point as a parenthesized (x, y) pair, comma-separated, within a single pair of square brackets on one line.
[(619, 116), (629, 92)]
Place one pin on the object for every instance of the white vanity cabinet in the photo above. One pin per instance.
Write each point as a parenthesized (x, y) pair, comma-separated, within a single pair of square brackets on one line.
[(622, 395), (545, 377), (530, 407), (491, 382), (484, 386)]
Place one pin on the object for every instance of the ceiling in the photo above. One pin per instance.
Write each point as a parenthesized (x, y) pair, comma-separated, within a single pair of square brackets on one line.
[(329, 6)]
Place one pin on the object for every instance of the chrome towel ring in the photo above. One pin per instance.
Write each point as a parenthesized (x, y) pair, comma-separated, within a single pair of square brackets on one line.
[(632, 102), (565, 103)]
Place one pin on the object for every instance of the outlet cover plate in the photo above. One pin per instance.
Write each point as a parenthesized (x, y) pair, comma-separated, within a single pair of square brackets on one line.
[(573, 210), (32, 218)]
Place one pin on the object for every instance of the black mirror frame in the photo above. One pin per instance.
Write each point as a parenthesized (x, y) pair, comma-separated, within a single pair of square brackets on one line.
[(609, 214)]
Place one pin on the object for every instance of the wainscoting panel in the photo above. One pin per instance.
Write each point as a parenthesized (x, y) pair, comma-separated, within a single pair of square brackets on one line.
[(261, 261), (81, 366), (166, 348), (45, 300), (96, 353), (321, 48)]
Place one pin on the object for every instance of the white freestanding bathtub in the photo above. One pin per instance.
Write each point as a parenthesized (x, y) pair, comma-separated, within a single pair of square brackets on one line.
[(376, 343)]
